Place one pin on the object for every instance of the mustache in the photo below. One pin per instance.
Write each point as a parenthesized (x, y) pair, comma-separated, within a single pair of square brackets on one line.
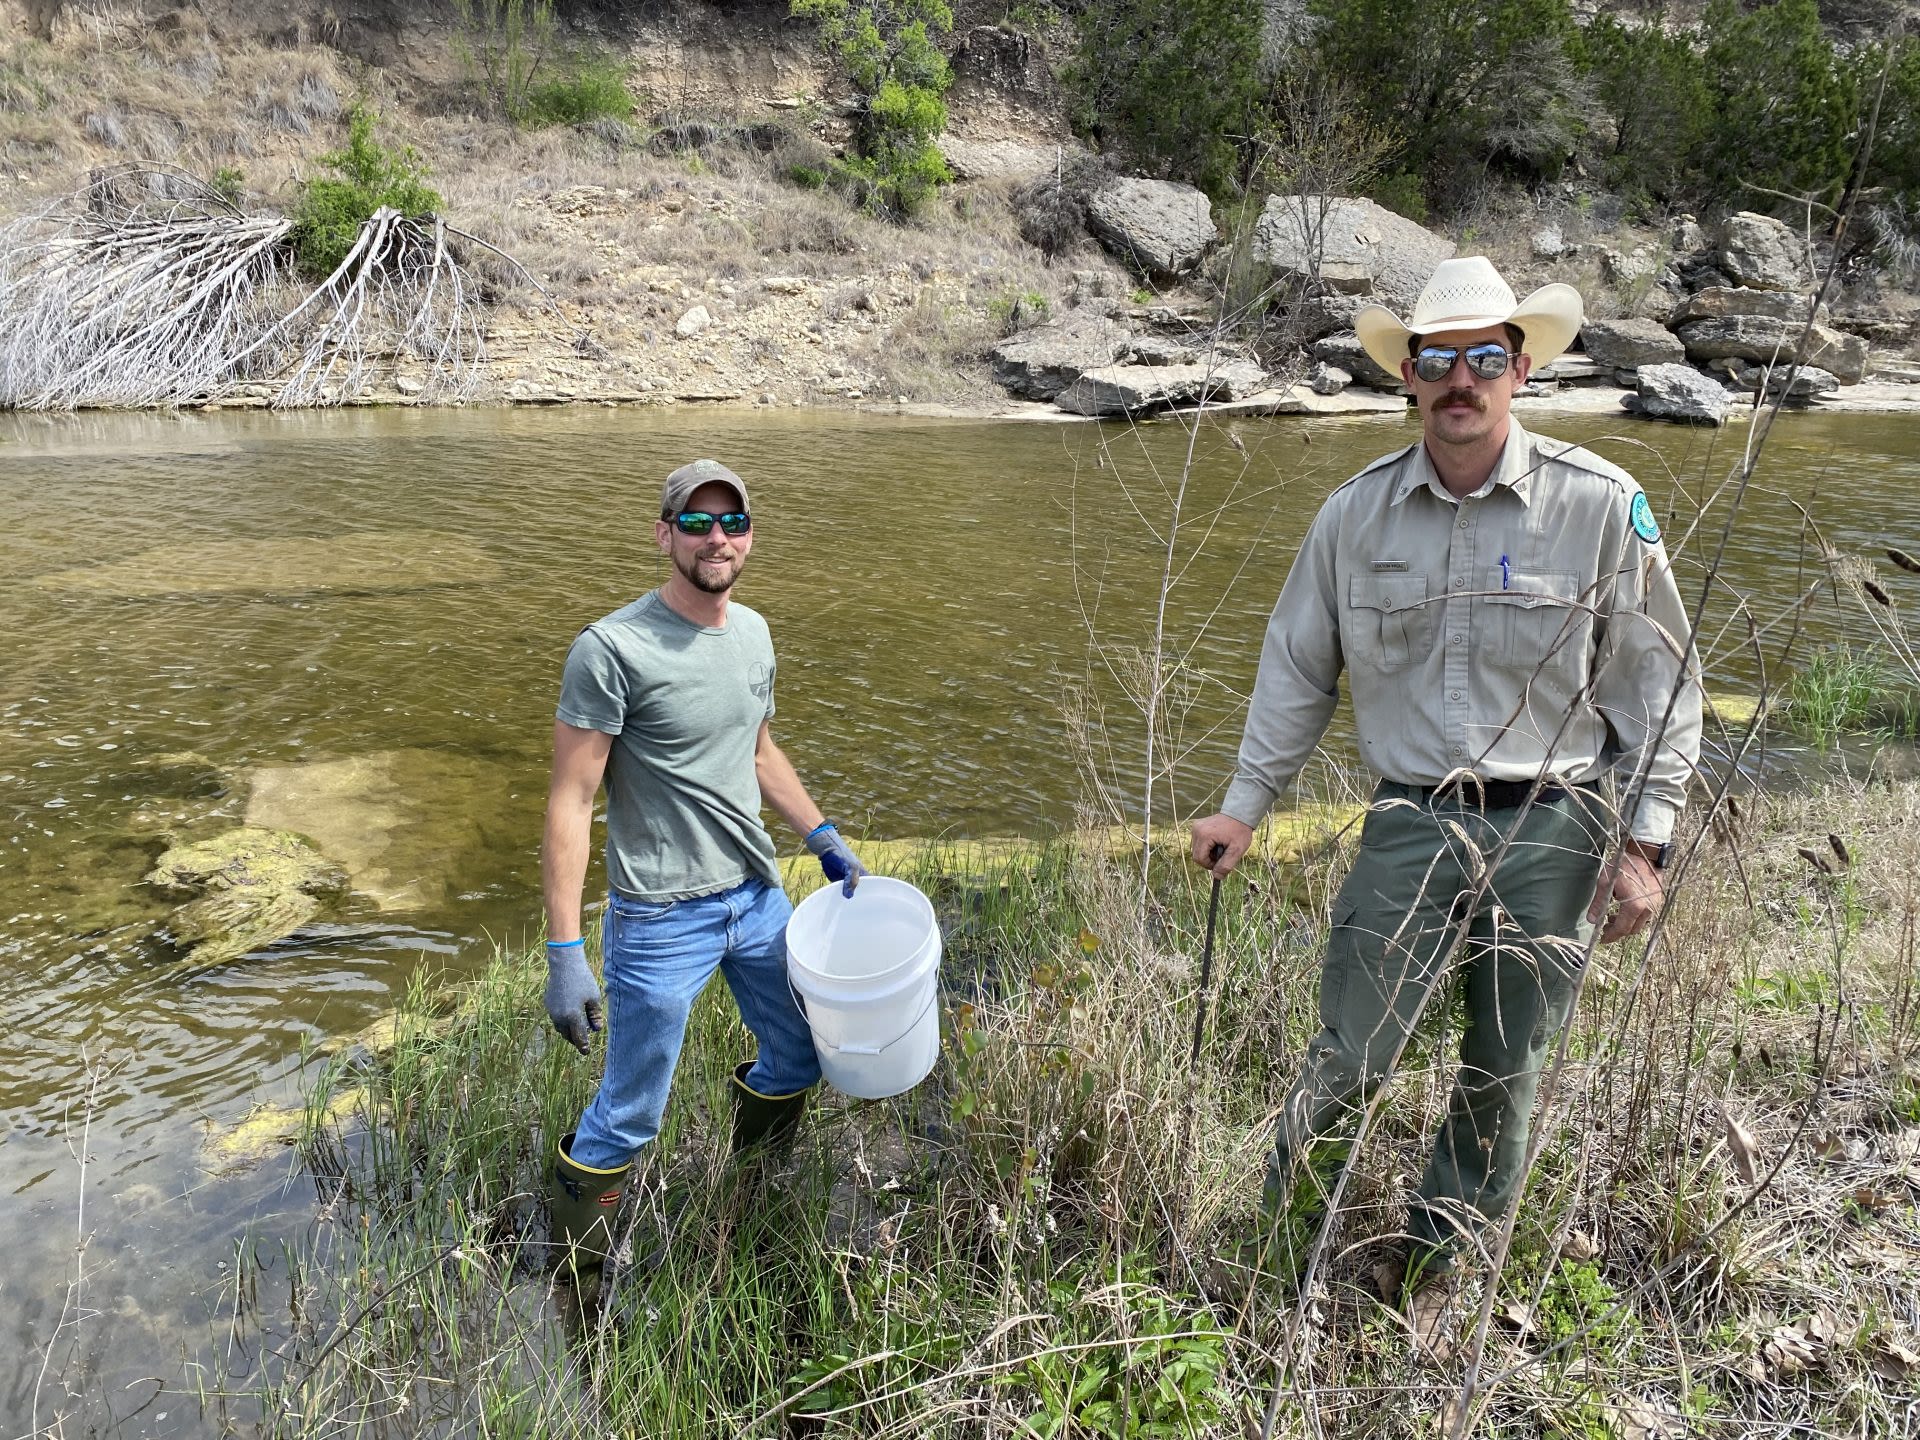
[(1461, 396)]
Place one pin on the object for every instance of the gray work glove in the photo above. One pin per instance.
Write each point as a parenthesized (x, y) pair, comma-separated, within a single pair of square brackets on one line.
[(573, 995), (836, 857)]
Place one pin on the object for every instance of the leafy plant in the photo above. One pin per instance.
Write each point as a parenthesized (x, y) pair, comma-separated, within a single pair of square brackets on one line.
[(1174, 85), (229, 184), (1161, 1376), (502, 43), (900, 75), (595, 88), (367, 176)]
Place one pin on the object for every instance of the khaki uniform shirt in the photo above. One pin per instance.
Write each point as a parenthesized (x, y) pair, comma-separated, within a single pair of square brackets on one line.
[(1531, 629)]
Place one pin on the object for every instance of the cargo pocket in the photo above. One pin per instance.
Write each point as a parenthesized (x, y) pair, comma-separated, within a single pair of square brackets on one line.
[(1389, 623), (1536, 620)]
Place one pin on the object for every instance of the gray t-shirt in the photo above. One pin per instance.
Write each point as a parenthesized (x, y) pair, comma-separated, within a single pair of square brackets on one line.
[(684, 704)]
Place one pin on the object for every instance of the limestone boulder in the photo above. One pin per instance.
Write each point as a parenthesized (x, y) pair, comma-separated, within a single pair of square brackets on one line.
[(1141, 389), (1038, 364), (1325, 379), (1730, 302), (1761, 253), (1160, 227), (1629, 344), (1807, 383), (1349, 245), (1768, 341), (1346, 352), (1679, 392), (1329, 313)]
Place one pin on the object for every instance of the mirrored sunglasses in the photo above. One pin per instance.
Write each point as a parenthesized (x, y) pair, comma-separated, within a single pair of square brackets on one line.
[(1435, 362), (699, 522)]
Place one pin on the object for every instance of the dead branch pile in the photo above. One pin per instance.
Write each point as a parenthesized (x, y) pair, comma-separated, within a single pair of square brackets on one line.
[(107, 302)]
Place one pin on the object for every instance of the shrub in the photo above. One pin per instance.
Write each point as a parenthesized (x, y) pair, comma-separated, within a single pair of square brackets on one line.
[(1173, 85), (229, 185), (1654, 85), (501, 44), (1452, 86), (1785, 106), (595, 89), (888, 49), (1052, 208), (367, 176)]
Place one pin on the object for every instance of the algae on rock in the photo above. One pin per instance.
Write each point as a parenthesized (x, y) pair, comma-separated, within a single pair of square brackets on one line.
[(261, 886)]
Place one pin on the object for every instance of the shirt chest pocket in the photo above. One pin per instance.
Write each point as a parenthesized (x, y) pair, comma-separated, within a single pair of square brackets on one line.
[(1536, 618), (1389, 624)]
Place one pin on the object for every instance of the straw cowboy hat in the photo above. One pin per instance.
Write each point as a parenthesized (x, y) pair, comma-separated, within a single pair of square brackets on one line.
[(1467, 293)]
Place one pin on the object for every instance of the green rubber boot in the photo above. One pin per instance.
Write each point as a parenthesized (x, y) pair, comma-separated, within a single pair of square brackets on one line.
[(583, 1203), (763, 1120)]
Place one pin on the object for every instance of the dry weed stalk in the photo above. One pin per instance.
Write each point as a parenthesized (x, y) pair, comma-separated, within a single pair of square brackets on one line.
[(111, 301)]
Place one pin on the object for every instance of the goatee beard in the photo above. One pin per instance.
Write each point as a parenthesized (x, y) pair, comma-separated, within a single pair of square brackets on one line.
[(707, 583)]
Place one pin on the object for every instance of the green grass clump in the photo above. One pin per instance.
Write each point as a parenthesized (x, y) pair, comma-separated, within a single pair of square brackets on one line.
[(367, 176), (594, 89), (1842, 691)]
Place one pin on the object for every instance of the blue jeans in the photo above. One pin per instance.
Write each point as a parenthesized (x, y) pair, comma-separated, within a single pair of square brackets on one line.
[(657, 958)]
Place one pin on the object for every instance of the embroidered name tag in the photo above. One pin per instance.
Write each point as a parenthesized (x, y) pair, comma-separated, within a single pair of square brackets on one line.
[(1389, 564)]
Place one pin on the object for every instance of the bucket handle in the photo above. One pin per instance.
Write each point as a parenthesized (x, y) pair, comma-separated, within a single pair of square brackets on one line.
[(933, 995)]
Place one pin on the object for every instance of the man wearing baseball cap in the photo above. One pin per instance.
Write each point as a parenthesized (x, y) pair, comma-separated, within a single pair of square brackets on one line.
[(667, 700), (1518, 658)]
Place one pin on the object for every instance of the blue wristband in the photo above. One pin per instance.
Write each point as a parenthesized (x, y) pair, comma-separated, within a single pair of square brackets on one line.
[(823, 825), (566, 944)]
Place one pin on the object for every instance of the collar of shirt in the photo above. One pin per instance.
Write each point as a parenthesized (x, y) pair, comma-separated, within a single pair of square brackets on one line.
[(1514, 469)]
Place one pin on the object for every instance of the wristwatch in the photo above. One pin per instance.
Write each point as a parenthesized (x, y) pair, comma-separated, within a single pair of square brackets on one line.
[(1656, 855)]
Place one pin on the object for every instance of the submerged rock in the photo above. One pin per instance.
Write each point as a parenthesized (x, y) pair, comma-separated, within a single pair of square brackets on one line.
[(262, 885), (372, 563), (406, 824)]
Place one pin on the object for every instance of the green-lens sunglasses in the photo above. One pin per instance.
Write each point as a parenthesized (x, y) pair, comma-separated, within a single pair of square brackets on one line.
[(1435, 362), (699, 522)]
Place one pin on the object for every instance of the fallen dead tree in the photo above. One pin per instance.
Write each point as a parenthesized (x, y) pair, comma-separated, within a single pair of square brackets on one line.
[(111, 301)]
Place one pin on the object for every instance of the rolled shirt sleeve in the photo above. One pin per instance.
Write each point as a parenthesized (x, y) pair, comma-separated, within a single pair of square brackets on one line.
[(1647, 681), (1297, 686)]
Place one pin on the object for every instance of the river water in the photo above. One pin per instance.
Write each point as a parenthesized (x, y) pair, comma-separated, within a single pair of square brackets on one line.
[(351, 625)]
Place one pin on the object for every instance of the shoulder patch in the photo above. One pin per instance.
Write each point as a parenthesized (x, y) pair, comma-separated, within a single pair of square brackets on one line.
[(1644, 524)]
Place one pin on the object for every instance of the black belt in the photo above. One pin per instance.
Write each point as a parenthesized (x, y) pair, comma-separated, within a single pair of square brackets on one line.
[(1496, 794)]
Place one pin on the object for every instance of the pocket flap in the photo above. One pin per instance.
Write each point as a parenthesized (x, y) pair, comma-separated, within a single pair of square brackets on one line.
[(1531, 589), (1387, 592)]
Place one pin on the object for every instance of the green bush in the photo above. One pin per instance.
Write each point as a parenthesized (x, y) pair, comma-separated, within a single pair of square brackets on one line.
[(900, 75), (595, 89), (1654, 84), (1175, 86), (367, 176), (1785, 105), (1463, 85), (501, 44)]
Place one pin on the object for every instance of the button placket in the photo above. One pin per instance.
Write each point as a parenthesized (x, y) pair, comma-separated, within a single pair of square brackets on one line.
[(1459, 627)]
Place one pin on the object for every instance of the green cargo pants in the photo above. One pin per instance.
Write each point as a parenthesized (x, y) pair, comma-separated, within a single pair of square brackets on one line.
[(1407, 909)]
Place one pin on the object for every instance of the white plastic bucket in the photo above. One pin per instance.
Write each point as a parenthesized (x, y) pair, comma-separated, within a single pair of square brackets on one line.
[(867, 969)]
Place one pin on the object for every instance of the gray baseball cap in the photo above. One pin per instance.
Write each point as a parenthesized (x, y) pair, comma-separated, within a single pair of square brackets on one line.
[(690, 477)]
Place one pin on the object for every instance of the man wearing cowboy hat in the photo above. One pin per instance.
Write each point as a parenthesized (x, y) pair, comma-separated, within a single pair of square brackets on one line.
[(1517, 654)]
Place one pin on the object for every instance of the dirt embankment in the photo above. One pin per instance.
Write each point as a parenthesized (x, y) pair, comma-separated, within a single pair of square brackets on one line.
[(678, 259)]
